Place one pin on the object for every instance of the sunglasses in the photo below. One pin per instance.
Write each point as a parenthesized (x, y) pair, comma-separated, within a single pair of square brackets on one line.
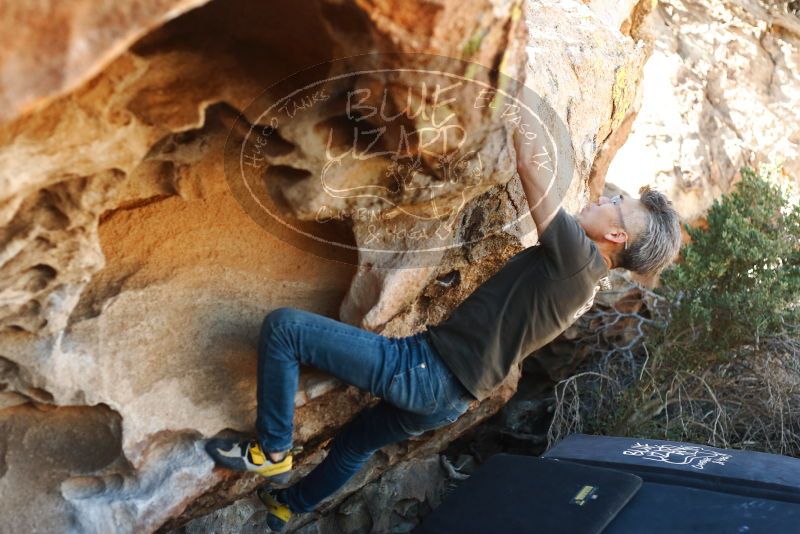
[(616, 200)]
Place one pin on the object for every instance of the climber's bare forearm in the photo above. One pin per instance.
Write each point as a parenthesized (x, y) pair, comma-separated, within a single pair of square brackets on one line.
[(542, 204), (535, 163), (536, 176)]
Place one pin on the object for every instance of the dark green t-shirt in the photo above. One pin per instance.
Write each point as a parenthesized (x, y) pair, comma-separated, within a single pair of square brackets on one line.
[(534, 297)]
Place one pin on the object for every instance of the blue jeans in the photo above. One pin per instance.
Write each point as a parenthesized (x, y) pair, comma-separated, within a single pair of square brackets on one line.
[(417, 389)]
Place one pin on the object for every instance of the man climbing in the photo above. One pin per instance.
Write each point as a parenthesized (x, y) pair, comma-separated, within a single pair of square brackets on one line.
[(427, 380)]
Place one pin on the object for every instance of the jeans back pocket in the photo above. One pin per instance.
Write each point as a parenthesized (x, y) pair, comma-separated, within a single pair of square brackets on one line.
[(412, 390)]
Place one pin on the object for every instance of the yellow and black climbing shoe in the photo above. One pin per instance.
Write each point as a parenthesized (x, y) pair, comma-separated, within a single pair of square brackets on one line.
[(278, 513), (247, 456)]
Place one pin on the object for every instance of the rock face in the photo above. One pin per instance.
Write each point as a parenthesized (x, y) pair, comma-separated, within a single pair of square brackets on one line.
[(394, 503), (61, 442), (40, 61), (721, 90), (134, 282)]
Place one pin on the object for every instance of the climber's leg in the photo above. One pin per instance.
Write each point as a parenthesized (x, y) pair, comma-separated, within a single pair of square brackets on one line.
[(395, 369), (372, 429), (406, 372), (290, 337)]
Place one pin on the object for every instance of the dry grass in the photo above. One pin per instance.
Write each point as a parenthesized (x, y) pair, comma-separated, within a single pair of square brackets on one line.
[(749, 400)]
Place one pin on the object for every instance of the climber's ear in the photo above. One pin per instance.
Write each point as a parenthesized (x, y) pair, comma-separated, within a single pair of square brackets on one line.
[(617, 236)]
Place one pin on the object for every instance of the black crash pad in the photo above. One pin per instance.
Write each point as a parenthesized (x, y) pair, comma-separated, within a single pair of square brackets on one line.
[(526, 494), (746, 473), (669, 509)]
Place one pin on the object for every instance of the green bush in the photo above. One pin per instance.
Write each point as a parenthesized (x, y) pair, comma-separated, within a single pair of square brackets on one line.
[(740, 277)]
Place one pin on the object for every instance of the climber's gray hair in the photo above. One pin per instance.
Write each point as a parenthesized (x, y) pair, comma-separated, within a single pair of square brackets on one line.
[(659, 242)]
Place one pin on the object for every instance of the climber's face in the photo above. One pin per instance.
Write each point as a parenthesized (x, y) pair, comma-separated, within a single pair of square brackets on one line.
[(612, 221)]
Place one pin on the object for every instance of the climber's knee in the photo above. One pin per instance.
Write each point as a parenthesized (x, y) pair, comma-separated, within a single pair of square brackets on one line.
[(348, 453), (284, 314), (276, 324), (279, 318)]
